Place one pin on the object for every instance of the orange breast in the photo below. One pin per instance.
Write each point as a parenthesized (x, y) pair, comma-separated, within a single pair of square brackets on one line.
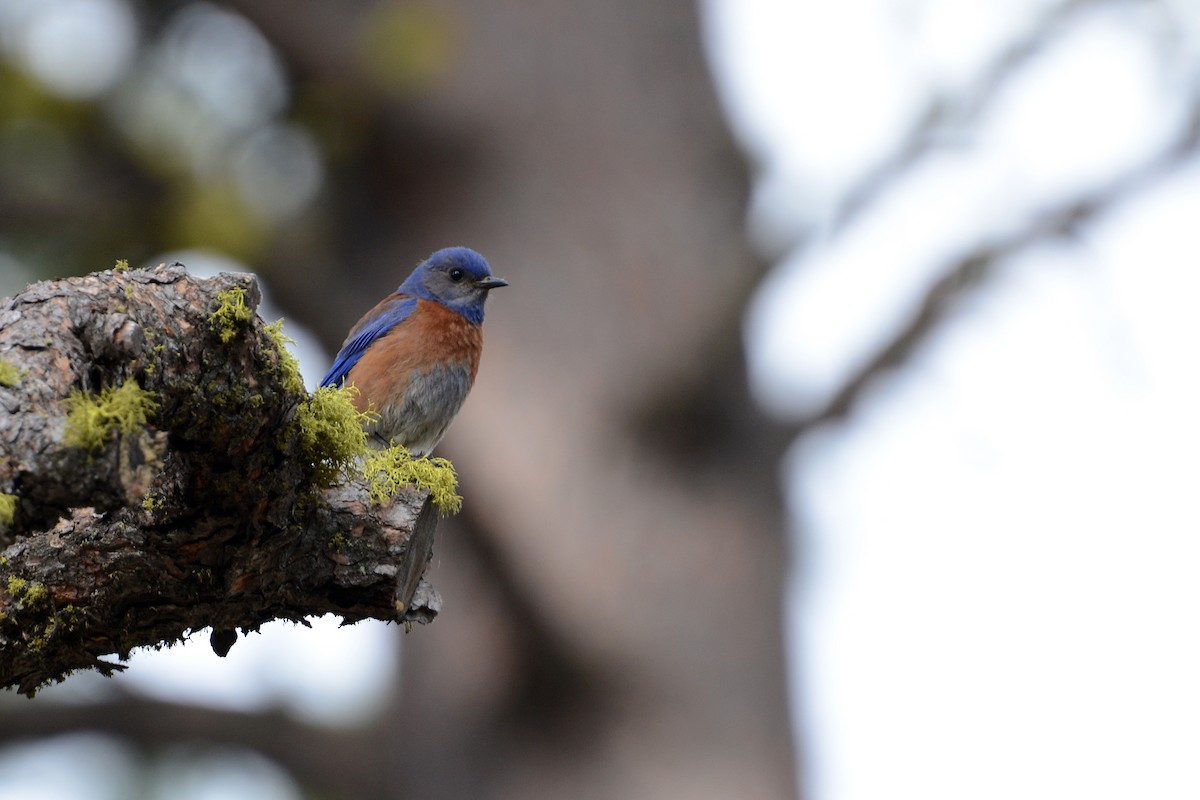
[(431, 336)]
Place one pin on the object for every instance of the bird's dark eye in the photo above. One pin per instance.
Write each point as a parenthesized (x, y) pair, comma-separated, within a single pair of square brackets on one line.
[(456, 274)]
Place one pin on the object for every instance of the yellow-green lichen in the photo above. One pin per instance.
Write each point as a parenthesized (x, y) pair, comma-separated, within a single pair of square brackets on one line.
[(70, 617), (289, 367), (8, 509), (389, 469), (152, 502), (232, 313), (39, 634), (331, 432), (10, 373), (91, 418), (29, 594), (122, 265)]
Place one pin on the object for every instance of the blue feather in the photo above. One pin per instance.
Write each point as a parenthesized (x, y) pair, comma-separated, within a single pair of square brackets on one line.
[(392, 314)]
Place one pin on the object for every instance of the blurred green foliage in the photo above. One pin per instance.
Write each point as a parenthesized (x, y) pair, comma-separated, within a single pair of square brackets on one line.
[(208, 137)]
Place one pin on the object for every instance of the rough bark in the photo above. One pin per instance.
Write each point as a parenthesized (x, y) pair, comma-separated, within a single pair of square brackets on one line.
[(206, 516), (617, 617)]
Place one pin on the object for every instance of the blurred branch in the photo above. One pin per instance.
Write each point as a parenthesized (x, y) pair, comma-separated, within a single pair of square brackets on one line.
[(949, 113), (978, 266), (342, 763), (128, 536), (312, 37)]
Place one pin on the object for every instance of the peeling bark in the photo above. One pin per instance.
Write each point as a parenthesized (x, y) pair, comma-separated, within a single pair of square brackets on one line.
[(206, 517)]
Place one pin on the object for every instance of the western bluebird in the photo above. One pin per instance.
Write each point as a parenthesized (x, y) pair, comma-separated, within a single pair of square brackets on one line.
[(414, 356)]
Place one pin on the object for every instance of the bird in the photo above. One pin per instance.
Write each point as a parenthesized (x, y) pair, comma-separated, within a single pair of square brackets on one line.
[(413, 357)]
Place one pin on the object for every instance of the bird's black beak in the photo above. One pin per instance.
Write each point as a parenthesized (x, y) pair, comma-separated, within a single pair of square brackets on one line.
[(491, 282)]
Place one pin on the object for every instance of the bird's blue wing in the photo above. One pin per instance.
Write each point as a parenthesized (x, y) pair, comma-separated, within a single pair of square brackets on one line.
[(377, 323)]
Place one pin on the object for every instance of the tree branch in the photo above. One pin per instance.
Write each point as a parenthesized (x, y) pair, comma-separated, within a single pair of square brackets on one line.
[(207, 516), (330, 762), (977, 266)]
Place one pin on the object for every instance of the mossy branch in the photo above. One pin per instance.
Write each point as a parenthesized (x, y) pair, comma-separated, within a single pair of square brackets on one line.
[(92, 420), (163, 470)]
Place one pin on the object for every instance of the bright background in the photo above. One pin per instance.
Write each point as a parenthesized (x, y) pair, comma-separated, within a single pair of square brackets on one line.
[(994, 591), (998, 591)]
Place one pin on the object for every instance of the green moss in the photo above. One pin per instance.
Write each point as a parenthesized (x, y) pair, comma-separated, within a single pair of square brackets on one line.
[(70, 617), (27, 593), (91, 419), (152, 502), (331, 432), (288, 365), (8, 508), (389, 469), (49, 625), (122, 265), (10, 373), (339, 542), (232, 313)]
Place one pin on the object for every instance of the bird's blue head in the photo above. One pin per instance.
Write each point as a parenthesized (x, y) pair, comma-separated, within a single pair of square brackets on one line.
[(457, 277)]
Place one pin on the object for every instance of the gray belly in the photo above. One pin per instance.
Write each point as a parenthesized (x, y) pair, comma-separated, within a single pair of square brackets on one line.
[(428, 406)]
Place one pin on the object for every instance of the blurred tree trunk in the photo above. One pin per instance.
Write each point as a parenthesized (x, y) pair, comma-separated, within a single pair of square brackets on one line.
[(613, 622)]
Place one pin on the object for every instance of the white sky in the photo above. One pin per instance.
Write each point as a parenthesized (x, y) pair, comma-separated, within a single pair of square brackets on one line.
[(1000, 548)]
